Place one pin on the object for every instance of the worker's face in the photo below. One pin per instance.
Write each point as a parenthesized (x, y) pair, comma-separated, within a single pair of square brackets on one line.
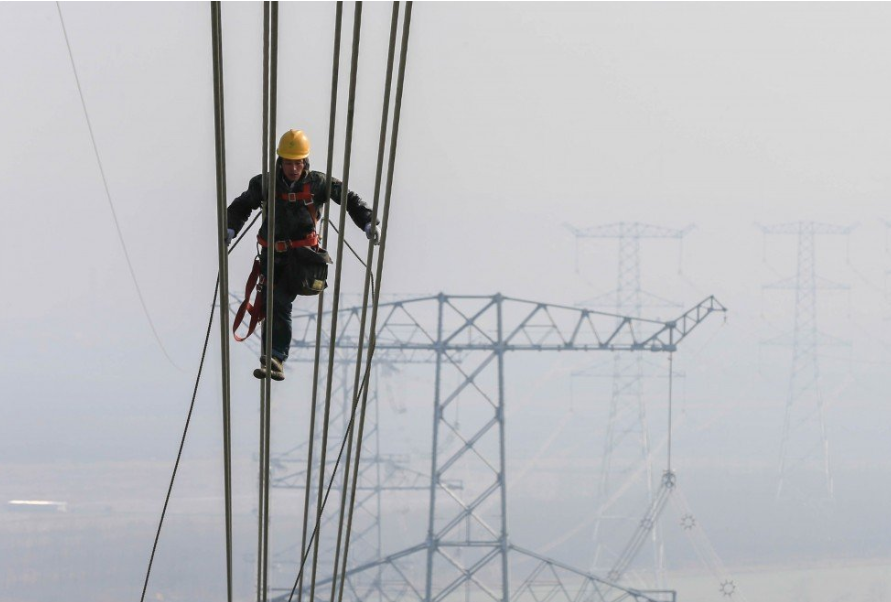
[(292, 169)]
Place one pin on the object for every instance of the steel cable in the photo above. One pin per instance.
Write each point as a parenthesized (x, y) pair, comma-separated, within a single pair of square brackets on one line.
[(368, 278), (223, 279), (363, 389), (338, 18), (270, 78), (114, 214), (337, 278), (357, 28), (264, 166), (182, 441), (383, 244), (347, 157)]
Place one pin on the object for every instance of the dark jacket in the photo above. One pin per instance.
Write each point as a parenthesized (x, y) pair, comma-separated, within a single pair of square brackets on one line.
[(293, 220)]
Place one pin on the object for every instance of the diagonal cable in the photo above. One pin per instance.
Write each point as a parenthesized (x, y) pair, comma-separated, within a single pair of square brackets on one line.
[(114, 214), (182, 441)]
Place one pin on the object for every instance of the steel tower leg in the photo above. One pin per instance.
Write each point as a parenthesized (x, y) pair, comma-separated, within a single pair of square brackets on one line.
[(466, 555), (434, 460), (505, 575)]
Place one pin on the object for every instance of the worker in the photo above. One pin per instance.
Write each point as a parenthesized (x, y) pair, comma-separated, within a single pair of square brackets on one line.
[(301, 265)]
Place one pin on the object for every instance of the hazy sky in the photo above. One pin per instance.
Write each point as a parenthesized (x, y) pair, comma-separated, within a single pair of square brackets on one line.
[(517, 118)]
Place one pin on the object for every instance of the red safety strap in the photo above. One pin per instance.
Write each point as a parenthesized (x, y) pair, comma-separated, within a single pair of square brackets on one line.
[(305, 197), (311, 240), (257, 310)]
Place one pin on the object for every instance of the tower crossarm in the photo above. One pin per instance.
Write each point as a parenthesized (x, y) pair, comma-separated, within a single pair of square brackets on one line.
[(406, 333), (628, 229), (806, 227), (668, 338)]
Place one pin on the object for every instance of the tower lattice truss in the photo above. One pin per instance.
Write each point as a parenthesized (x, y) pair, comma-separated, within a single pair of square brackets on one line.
[(467, 553)]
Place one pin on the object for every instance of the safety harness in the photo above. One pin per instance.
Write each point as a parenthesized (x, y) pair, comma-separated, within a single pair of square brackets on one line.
[(256, 279)]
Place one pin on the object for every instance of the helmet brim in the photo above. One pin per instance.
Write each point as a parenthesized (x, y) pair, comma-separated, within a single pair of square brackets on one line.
[(296, 157)]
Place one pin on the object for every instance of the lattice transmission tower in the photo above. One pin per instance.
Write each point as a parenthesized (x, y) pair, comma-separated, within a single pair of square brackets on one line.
[(467, 553), (805, 462), (628, 480)]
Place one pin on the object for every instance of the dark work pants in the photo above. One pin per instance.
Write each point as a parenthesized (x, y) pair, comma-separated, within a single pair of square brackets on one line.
[(282, 302), (280, 315)]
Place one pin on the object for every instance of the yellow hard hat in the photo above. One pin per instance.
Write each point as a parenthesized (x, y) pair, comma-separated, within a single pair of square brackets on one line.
[(293, 145)]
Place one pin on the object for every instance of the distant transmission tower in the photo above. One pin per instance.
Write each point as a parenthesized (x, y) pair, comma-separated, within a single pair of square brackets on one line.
[(627, 476), (804, 449)]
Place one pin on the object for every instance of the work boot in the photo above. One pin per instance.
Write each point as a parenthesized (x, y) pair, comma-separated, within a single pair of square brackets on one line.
[(276, 369)]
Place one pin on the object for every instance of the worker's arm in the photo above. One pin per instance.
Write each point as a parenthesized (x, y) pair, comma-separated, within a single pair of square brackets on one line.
[(359, 212), (241, 208)]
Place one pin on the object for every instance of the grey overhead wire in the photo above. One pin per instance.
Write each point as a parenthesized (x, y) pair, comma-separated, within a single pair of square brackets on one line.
[(273, 104), (391, 49), (383, 243), (270, 77), (265, 208), (347, 156), (338, 18), (223, 258), (335, 307), (363, 389), (114, 214)]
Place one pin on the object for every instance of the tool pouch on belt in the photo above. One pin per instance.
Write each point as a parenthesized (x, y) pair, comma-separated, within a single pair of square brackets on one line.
[(306, 271)]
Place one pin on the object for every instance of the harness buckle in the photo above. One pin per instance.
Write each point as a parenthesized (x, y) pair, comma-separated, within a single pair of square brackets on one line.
[(292, 196), (282, 245)]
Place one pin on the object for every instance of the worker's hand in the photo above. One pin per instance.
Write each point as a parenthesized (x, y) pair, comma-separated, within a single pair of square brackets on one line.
[(230, 234), (373, 233)]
